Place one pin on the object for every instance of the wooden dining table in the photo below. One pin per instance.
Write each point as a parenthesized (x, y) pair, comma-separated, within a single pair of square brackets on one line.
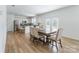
[(42, 32)]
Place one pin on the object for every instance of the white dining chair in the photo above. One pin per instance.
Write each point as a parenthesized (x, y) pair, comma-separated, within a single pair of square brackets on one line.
[(56, 38)]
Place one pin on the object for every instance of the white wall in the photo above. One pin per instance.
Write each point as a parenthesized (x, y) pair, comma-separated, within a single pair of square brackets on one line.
[(10, 22), (3, 28), (68, 20)]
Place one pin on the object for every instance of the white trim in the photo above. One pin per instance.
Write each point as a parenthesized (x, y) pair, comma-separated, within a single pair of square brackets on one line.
[(71, 37)]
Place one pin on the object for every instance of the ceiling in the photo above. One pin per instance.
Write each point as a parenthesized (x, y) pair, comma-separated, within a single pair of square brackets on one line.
[(32, 10)]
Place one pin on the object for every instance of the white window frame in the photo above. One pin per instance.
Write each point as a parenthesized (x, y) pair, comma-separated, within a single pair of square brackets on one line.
[(51, 21)]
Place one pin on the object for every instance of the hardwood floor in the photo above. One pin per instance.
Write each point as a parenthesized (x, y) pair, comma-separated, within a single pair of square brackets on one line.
[(21, 43)]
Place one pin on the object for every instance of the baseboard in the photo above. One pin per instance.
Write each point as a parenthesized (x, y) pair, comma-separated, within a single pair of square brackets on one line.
[(10, 31), (69, 37)]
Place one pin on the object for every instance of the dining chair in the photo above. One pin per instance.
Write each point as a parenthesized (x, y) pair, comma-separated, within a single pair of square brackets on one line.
[(31, 33), (56, 38), (35, 35)]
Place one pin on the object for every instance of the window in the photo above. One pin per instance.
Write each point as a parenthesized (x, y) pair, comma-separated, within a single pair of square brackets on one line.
[(34, 20), (54, 24), (47, 23), (51, 24)]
